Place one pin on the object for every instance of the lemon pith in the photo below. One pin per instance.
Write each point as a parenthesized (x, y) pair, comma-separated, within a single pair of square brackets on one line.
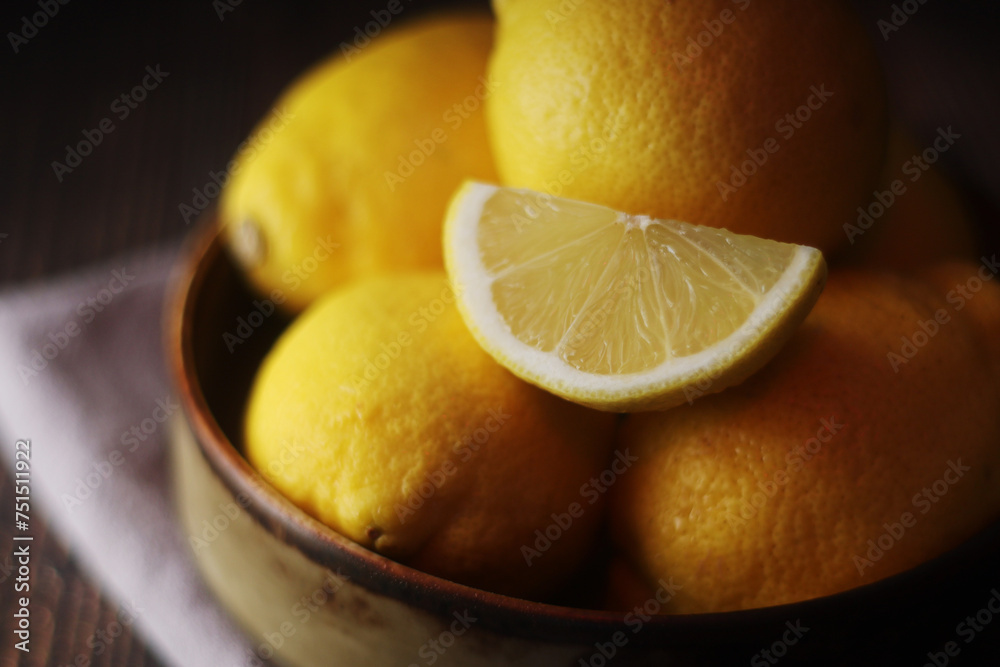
[(615, 311)]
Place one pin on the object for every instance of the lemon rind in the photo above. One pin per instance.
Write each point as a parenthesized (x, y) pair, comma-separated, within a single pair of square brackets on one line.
[(673, 382)]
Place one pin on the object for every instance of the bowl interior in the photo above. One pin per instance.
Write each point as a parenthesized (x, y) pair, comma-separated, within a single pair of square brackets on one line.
[(216, 346)]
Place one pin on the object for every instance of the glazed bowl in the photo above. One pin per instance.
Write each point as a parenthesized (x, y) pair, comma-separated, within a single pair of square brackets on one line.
[(307, 596)]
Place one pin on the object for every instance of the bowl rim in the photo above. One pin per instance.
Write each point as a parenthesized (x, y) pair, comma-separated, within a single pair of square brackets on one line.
[(377, 573)]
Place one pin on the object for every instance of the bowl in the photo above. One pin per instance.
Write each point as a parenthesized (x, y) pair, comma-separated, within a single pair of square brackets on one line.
[(307, 596)]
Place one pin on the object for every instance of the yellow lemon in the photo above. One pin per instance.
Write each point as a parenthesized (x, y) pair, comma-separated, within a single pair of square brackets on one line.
[(621, 312), (868, 446), (377, 413), (766, 118), (351, 174)]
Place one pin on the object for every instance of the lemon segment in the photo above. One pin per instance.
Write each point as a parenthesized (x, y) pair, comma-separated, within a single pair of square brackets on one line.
[(615, 311)]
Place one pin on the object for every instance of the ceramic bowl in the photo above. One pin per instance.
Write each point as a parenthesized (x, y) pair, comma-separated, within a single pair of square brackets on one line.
[(308, 597)]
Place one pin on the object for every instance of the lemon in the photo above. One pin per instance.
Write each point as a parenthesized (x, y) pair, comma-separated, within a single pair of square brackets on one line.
[(620, 312), (351, 175), (868, 446), (764, 118), (378, 414)]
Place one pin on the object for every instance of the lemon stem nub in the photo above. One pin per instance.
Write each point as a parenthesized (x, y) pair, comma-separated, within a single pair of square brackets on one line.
[(249, 243)]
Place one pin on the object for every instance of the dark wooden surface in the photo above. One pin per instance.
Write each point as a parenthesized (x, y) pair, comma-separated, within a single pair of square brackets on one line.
[(223, 74)]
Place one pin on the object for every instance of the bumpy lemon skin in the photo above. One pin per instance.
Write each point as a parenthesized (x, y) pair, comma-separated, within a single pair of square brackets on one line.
[(785, 488), (377, 413), (775, 126), (350, 173)]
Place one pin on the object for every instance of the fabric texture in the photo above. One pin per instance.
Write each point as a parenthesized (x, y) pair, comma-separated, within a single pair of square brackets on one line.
[(84, 380)]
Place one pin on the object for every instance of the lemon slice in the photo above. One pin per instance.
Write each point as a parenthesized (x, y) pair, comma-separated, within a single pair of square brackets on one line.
[(615, 311)]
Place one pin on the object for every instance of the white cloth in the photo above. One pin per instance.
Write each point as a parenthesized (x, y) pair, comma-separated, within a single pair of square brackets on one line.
[(103, 487)]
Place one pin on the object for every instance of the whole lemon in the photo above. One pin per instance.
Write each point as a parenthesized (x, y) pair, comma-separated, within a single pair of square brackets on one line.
[(377, 413), (868, 446), (352, 172), (766, 118)]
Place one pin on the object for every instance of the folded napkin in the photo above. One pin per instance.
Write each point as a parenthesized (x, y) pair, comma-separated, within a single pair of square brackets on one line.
[(84, 380)]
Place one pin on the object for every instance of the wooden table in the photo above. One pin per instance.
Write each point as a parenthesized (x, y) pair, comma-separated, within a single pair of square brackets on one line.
[(218, 66)]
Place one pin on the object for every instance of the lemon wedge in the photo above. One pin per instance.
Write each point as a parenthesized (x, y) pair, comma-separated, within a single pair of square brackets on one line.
[(615, 311)]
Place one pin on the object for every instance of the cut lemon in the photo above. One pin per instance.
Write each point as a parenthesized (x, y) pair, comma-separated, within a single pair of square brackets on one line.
[(615, 311)]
